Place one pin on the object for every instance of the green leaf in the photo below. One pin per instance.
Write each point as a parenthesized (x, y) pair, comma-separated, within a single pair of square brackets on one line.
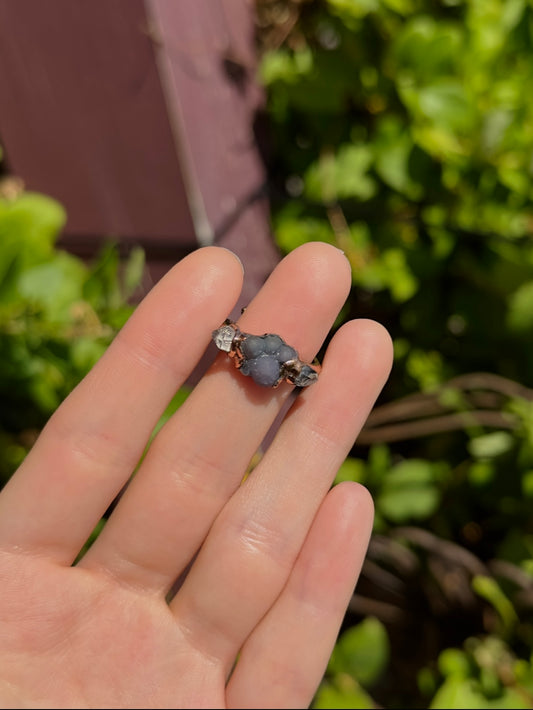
[(102, 287), (285, 66), (481, 472), (54, 286), (410, 491), (427, 49), (512, 13), (353, 9), (393, 149), (495, 124), (403, 7), (85, 351), (348, 695), (527, 484), (518, 698), (454, 662), (447, 104), (520, 308), (458, 693), (379, 463), (35, 218), (426, 367), (490, 590), (46, 385), (489, 446), (29, 226), (397, 274), (341, 176), (362, 652), (292, 232), (133, 271), (351, 470)]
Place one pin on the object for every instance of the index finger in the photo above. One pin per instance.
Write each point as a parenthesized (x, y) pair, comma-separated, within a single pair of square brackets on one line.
[(91, 445)]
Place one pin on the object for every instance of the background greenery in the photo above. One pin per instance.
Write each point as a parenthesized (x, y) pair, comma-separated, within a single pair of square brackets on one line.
[(57, 315), (402, 132)]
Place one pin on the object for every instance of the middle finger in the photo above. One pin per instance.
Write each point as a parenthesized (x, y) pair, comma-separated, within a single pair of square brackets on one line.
[(199, 457)]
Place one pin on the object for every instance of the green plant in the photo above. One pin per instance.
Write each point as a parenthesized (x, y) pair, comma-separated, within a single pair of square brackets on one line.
[(402, 132), (358, 661), (57, 316)]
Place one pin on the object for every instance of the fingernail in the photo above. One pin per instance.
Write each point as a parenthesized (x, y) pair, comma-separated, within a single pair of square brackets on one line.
[(236, 257)]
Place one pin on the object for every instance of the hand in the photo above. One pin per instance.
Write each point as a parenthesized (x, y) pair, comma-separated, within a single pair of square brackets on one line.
[(274, 560)]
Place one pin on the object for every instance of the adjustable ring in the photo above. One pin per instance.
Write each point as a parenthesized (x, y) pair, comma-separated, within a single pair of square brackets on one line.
[(267, 358)]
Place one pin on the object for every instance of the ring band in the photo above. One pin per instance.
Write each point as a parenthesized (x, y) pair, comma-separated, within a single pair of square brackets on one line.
[(267, 358)]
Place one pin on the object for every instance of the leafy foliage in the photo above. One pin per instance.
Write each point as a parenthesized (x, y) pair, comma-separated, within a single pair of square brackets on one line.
[(57, 316), (402, 132), (357, 662)]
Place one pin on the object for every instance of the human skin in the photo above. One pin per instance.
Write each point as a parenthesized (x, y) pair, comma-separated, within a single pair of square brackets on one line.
[(274, 559)]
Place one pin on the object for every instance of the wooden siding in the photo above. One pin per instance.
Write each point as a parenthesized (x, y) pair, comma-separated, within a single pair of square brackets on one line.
[(138, 116)]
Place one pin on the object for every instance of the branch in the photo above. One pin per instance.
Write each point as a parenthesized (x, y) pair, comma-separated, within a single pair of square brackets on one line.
[(436, 425)]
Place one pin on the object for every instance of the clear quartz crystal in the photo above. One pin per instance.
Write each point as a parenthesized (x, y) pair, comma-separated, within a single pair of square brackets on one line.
[(224, 337)]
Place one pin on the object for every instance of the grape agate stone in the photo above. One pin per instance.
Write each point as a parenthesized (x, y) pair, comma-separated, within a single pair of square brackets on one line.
[(264, 357), (267, 358)]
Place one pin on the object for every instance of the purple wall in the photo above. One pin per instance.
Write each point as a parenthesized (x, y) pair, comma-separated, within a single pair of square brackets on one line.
[(138, 116)]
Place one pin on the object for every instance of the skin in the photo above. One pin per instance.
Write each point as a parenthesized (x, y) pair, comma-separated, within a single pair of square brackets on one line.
[(274, 559)]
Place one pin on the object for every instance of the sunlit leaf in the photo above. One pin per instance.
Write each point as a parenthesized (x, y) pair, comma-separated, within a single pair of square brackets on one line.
[(520, 313), (459, 693), (347, 694), (341, 176), (455, 662), (351, 470), (54, 286), (489, 589), (362, 652), (490, 445), (409, 491)]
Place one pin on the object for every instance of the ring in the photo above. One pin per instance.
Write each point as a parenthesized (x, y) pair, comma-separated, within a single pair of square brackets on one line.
[(267, 358)]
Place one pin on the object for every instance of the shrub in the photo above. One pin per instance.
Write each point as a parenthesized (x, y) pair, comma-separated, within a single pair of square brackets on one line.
[(57, 315), (402, 132)]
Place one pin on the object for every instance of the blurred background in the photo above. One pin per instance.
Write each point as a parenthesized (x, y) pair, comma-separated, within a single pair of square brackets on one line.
[(399, 130)]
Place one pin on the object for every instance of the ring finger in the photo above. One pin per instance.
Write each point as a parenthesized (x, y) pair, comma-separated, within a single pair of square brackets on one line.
[(253, 544)]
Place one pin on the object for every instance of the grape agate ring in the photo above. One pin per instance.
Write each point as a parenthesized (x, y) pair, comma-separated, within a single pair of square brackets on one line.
[(267, 358)]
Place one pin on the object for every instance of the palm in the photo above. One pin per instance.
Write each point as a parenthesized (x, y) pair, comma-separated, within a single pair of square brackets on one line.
[(275, 558), (89, 642)]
